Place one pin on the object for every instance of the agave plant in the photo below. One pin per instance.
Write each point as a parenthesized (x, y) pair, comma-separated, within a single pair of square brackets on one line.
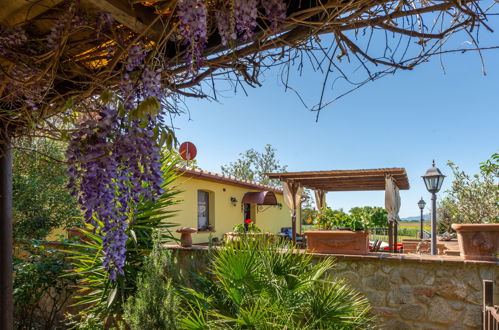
[(261, 286), (97, 294)]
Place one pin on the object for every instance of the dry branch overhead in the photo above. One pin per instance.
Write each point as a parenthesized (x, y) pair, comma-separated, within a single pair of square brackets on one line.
[(56, 54)]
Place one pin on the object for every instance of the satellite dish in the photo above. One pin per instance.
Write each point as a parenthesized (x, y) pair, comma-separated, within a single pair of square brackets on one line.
[(188, 151)]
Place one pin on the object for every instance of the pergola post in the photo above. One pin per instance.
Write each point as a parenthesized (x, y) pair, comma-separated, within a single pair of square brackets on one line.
[(6, 289)]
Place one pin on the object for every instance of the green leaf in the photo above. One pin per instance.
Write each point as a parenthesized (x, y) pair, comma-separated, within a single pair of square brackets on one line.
[(150, 106), (111, 297), (106, 96)]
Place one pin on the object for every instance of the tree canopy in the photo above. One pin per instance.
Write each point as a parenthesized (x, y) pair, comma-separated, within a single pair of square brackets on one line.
[(253, 165), (41, 201), (471, 198)]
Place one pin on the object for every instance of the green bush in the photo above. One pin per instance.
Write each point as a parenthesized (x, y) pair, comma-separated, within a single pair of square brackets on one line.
[(40, 290), (471, 199), (248, 227), (153, 304), (263, 286), (41, 201), (359, 218)]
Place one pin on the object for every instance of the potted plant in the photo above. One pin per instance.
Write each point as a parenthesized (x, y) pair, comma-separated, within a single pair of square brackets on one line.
[(247, 230), (339, 232), (471, 207), (478, 241)]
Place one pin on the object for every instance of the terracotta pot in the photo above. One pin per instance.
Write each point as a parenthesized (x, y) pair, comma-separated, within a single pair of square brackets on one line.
[(338, 241), (185, 237), (478, 241)]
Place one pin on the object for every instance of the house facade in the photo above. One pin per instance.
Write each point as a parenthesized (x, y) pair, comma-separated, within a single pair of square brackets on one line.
[(213, 204)]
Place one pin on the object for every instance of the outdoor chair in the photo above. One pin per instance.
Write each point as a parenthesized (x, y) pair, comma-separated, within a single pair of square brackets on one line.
[(376, 245), (286, 233)]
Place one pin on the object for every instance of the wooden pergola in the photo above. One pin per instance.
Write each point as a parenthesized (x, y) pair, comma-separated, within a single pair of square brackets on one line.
[(345, 180)]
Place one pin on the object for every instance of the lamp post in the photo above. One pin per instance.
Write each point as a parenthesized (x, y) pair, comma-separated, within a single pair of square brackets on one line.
[(421, 205), (433, 180)]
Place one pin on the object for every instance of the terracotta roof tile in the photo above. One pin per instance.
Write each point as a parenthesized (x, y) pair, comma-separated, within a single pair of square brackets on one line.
[(230, 180)]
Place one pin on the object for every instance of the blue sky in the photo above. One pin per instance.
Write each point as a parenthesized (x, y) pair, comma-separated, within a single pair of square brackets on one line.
[(403, 120)]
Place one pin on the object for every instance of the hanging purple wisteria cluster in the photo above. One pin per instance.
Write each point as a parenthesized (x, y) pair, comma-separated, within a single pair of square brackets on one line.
[(114, 158), (237, 20)]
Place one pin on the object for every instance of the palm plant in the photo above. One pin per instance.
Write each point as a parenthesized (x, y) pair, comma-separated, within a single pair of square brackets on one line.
[(261, 286), (96, 292)]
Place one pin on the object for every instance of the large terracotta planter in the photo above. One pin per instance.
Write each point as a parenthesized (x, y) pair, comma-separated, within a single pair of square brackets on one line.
[(478, 241), (338, 241)]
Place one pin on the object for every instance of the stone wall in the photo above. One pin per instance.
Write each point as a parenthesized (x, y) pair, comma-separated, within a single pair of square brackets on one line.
[(406, 291), (420, 292)]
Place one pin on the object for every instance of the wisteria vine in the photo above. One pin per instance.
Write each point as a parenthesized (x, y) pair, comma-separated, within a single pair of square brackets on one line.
[(240, 20), (115, 162)]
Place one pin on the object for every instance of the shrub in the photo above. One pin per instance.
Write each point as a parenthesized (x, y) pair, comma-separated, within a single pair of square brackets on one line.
[(154, 303), (249, 226), (41, 201), (40, 291), (471, 199), (263, 286), (360, 218)]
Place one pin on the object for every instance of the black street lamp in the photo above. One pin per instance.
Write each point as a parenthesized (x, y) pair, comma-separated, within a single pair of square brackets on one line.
[(421, 205), (433, 180)]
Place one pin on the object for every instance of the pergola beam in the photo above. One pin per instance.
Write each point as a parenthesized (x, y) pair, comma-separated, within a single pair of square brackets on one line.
[(136, 19), (345, 180), (23, 11)]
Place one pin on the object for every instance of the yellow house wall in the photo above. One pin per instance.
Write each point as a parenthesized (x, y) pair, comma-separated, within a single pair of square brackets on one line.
[(223, 215)]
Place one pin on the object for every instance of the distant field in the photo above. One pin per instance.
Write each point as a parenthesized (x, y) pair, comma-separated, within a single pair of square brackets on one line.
[(415, 224)]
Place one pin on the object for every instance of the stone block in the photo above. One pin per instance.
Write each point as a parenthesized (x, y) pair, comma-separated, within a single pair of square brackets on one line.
[(376, 298), (475, 298), (456, 305), (450, 288), (400, 295), (395, 276), (368, 269), (473, 317), (425, 326), (423, 293), (396, 325), (472, 278), (351, 278), (338, 266), (441, 312), (429, 277), (386, 268), (445, 272), (412, 312), (378, 281), (412, 275), (487, 273), (385, 312)]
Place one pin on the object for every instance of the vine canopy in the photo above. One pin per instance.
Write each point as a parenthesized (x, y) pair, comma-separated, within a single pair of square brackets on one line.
[(55, 55)]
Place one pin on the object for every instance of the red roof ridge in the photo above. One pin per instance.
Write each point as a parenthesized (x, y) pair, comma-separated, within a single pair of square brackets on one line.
[(228, 179)]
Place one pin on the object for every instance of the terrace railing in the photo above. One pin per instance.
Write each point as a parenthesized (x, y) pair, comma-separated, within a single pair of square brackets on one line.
[(490, 312)]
